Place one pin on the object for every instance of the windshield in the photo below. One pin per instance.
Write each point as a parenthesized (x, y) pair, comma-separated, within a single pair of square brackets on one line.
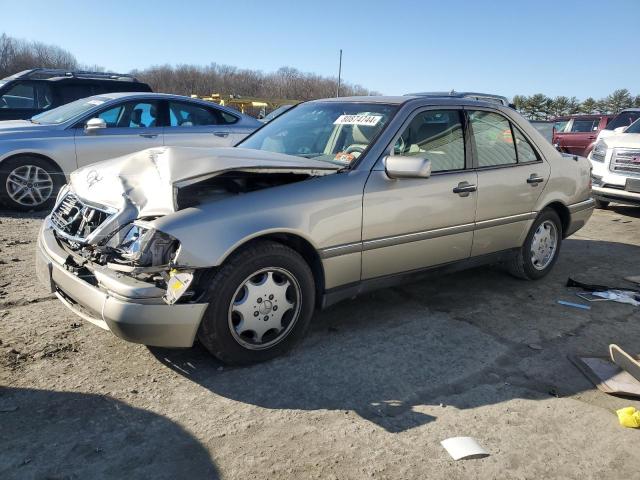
[(336, 132), (623, 119), (634, 127), (69, 111)]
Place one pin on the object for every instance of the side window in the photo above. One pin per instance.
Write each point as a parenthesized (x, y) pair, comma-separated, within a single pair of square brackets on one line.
[(131, 115), (28, 96), (526, 152), (492, 136), (72, 92), (227, 118), (581, 126), (188, 115), (437, 135)]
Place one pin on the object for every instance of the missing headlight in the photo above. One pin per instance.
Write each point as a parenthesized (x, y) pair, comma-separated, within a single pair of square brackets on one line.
[(145, 246)]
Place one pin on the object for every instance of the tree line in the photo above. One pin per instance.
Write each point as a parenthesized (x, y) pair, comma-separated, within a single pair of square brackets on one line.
[(541, 107), (285, 83)]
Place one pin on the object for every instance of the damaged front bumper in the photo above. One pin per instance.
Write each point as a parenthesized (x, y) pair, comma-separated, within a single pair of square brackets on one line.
[(131, 309)]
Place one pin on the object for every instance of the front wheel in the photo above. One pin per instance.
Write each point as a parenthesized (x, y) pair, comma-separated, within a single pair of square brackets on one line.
[(260, 304), (541, 248)]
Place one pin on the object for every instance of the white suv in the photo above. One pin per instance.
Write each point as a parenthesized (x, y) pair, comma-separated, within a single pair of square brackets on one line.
[(616, 167)]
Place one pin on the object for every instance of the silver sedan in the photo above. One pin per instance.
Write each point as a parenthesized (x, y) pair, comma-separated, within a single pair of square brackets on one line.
[(37, 155)]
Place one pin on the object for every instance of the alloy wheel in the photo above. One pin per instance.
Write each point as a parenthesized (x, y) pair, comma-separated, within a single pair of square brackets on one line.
[(544, 245), (29, 185), (264, 308)]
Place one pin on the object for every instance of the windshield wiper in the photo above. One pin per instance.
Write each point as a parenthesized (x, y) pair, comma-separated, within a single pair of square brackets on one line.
[(33, 121)]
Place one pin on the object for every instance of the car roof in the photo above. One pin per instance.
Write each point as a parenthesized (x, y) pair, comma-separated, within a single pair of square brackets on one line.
[(419, 99)]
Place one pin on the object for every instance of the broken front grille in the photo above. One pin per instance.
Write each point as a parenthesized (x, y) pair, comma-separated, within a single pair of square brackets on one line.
[(75, 220), (626, 160)]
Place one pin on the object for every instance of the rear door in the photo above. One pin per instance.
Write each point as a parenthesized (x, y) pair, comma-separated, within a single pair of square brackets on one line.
[(193, 124), (581, 132), (411, 224), (131, 126), (511, 176)]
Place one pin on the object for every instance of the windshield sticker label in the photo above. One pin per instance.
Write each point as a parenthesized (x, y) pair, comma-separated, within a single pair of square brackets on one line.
[(365, 120), (95, 102), (344, 157)]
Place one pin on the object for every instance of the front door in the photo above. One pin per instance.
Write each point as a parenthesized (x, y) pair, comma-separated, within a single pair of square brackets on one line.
[(411, 224), (511, 176), (131, 126)]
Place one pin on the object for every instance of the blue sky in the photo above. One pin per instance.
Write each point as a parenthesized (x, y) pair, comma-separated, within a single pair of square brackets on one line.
[(562, 47)]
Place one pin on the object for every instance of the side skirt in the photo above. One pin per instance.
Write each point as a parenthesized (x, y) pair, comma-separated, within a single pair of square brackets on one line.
[(337, 294)]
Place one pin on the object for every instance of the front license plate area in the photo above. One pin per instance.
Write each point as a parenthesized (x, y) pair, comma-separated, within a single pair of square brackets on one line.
[(632, 185)]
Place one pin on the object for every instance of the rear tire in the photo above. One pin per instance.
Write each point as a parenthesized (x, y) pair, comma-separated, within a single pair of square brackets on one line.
[(602, 204), (541, 248), (29, 183), (261, 301)]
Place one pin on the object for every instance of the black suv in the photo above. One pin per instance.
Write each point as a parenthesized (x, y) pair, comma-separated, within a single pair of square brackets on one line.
[(28, 93)]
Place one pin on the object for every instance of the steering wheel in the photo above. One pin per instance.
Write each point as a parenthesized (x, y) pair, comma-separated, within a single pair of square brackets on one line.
[(355, 148)]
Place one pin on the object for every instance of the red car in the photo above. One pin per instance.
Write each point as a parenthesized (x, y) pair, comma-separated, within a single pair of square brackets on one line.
[(576, 134)]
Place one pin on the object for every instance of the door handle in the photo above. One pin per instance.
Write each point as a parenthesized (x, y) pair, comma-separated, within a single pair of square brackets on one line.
[(464, 189), (221, 134), (149, 135), (534, 179)]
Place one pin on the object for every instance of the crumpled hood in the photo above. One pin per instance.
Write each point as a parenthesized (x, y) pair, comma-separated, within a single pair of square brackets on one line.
[(148, 178)]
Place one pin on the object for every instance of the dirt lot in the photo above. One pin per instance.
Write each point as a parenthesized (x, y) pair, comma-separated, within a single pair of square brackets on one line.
[(380, 381)]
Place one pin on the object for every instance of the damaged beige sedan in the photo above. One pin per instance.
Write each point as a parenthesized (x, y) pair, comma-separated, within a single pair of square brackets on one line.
[(239, 246)]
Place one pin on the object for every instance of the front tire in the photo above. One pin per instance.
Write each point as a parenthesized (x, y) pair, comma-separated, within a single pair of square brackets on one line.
[(541, 248), (28, 183), (601, 204), (261, 301)]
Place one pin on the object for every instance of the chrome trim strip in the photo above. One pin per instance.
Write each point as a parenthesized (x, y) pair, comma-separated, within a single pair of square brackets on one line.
[(424, 235), (416, 236), (338, 250), (584, 205), (496, 222)]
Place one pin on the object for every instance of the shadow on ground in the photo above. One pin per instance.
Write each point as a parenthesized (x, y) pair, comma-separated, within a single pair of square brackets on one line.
[(47, 434), (470, 339)]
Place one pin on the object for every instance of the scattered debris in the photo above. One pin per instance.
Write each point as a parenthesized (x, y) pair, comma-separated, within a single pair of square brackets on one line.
[(606, 375), (9, 408), (463, 448), (535, 346), (629, 417), (574, 305), (590, 297), (620, 296), (625, 361)]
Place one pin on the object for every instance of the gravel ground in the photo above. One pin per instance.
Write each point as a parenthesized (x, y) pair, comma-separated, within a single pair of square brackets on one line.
[(371, 392)]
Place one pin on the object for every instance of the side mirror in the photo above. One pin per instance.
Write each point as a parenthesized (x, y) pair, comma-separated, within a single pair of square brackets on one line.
[(620, 129), (400, 166), (94, 124)]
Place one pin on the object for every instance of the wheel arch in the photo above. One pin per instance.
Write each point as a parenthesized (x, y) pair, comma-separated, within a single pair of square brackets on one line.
[(54, 165), (563, 212), (299, 244)]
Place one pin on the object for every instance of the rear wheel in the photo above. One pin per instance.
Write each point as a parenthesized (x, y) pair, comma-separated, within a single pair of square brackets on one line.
[(602, 204), (541, 248), (260, 304), (28, 183)]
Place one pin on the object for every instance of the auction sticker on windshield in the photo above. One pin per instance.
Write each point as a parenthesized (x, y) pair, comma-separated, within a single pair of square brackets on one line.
[(365, 120)]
